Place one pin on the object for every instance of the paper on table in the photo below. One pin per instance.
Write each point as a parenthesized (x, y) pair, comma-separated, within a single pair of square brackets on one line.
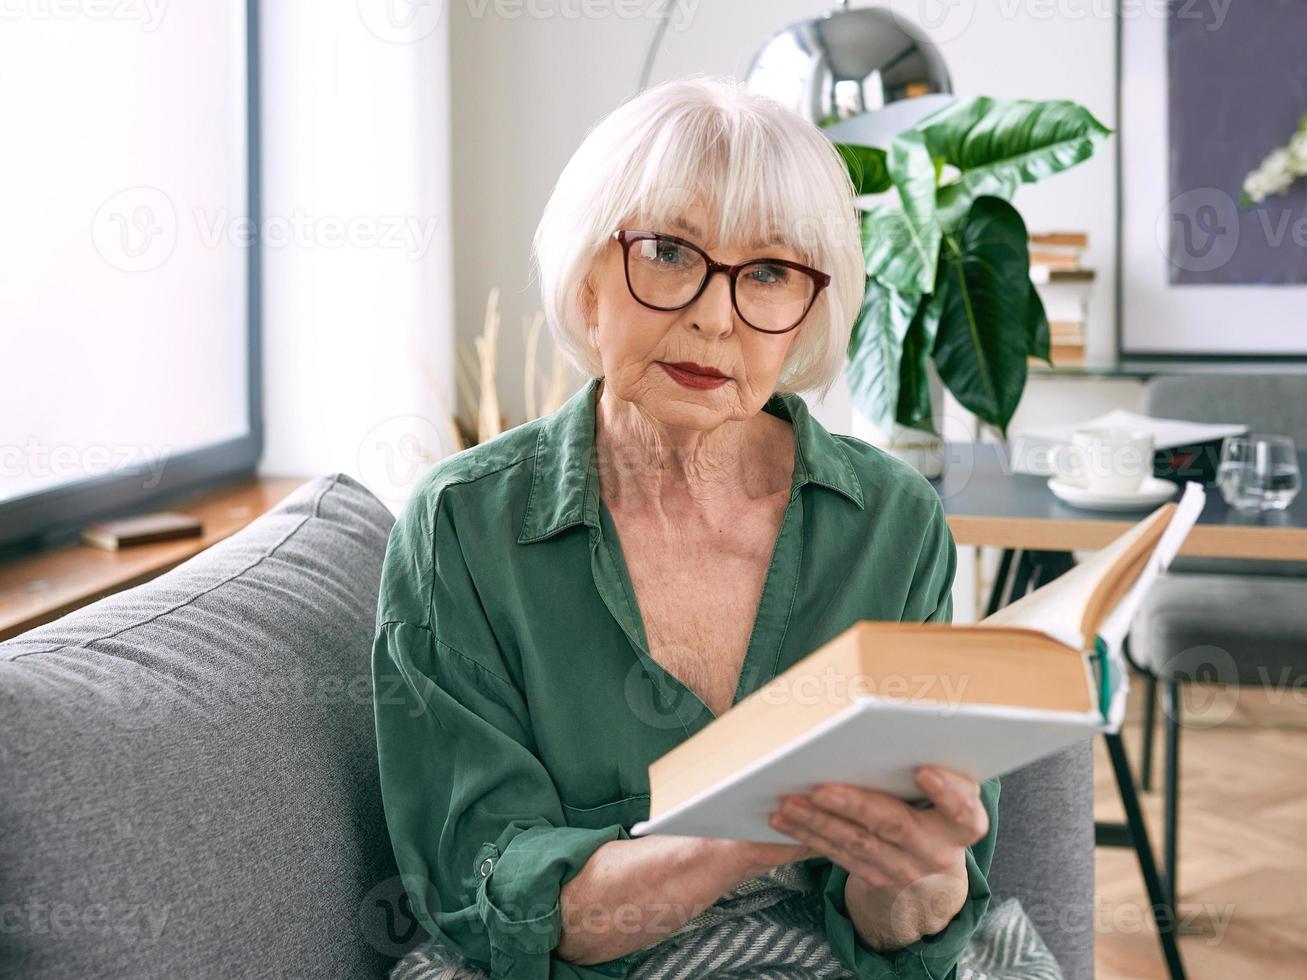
[(1032, 450)]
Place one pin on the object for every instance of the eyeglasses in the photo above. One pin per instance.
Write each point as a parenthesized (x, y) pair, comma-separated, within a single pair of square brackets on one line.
[(667, 273)]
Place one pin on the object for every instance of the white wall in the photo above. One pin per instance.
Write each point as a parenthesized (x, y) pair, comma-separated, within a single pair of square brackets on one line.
[(358, 298)]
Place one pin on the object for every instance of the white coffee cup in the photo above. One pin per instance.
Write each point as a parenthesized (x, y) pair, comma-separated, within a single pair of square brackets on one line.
[(1106, 460)]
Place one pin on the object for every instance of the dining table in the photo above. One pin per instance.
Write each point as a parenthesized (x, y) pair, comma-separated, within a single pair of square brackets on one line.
[(990, 503)]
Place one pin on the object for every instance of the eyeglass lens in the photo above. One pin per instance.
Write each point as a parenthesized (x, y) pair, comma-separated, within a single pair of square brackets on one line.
[(667, 274)]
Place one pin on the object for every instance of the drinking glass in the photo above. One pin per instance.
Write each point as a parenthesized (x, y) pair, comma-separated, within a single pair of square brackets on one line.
[(1258, 472)]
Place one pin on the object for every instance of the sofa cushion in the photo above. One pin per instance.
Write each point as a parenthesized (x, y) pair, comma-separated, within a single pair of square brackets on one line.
[(1044, 855), (188, 767)]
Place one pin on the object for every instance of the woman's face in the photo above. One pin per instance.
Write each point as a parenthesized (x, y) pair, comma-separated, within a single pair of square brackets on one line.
[(640, 348)]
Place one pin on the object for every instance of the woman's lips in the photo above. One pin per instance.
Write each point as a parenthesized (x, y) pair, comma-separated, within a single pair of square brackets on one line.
[(695, 376)]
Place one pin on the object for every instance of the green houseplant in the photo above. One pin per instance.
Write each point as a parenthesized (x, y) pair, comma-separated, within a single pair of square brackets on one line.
[(948, 264)]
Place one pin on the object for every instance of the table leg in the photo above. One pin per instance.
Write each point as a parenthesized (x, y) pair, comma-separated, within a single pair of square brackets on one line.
[(1000, 582), (1036, 568), (1171, 708), (1163, 911)]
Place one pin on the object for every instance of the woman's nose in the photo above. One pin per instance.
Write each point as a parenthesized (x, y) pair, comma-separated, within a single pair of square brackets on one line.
[(712, 313)]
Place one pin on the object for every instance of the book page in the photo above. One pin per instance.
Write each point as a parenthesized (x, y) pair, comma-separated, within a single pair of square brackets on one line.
[(1070, 607)]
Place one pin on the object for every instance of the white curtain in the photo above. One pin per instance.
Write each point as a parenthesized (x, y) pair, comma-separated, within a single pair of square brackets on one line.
[(358, 297)]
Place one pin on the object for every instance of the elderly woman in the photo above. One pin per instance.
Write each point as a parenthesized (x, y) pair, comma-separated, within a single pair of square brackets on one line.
[(564, 604)]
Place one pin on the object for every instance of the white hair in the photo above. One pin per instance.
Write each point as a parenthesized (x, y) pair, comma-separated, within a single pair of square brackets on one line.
[(763, 169)]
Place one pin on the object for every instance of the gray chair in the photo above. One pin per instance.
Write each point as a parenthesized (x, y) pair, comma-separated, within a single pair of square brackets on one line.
[(1233, 621), (190, 787)]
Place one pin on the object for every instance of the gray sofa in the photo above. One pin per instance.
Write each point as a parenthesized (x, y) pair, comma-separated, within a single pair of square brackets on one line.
[(188, 786)]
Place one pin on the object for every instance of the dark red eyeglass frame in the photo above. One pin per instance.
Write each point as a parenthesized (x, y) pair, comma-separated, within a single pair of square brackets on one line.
[(627, 237)]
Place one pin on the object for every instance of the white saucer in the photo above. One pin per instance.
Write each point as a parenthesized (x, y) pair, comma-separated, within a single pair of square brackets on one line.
[(1151, 492)]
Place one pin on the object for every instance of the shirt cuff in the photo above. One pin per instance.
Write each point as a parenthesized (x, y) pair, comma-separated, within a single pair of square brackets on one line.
[(522, 877), (929, 958)]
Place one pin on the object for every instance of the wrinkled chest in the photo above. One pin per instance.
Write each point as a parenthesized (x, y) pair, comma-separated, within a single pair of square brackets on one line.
[(698, 610)]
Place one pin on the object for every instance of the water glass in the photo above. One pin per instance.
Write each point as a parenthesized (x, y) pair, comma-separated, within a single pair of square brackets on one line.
[(1258, 472)]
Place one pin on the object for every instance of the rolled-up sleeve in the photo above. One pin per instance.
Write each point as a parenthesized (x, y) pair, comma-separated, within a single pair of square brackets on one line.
[(474, 818)]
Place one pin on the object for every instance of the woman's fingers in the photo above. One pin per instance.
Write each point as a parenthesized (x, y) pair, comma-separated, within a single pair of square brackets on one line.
[(847, 842), (890, 819), (852, 848), (959, 812)]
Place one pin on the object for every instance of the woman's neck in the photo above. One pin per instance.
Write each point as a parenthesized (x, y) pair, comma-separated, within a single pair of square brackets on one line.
[(645, 464)]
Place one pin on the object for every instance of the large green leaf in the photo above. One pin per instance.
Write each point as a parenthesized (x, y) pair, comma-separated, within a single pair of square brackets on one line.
[(891, 253), (984, 334), (914, 407), (914, 176), (1037, 328), (867, 167), (875, 349), (998, 144)]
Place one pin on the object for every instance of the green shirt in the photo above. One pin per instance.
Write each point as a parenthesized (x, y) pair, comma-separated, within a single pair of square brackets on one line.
[(518, 707)]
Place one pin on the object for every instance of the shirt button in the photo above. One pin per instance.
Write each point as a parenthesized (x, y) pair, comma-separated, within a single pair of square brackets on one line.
[(486, 865)]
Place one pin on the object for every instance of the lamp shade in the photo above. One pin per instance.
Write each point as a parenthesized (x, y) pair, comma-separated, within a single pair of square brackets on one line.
[(863, 74)]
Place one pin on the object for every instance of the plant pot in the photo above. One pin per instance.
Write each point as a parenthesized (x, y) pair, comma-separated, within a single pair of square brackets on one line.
[(922, 450)]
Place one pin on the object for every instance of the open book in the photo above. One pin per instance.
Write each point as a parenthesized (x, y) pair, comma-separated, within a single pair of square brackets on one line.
[(882, 698)]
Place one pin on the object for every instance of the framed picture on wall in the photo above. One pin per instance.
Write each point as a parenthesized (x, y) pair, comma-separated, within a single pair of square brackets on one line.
[(1206, 91)]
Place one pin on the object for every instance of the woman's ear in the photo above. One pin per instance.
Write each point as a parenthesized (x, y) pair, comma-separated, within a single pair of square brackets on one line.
[(588, 301)]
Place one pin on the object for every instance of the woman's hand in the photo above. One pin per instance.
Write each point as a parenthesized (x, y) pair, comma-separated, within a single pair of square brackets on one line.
[(907, 867)]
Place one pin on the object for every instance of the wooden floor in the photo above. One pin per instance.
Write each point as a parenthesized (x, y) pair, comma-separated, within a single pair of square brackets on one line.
[(1243, 842)]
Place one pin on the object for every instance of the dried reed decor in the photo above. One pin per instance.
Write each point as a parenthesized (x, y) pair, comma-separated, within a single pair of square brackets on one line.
[(476, 376)]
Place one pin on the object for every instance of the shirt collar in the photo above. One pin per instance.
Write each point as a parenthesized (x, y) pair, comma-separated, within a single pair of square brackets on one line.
[(565, 482)]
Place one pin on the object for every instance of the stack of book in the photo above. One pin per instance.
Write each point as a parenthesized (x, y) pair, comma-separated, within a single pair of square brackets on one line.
[(1064, 285)]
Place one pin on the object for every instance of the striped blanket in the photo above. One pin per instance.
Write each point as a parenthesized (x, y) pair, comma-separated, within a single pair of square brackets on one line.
[(770, 928)]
